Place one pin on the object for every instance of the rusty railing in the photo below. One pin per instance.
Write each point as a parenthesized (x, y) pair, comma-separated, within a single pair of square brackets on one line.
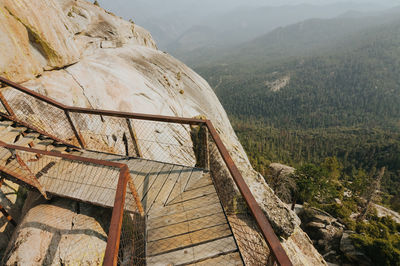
[(81, 127), (35, 173)]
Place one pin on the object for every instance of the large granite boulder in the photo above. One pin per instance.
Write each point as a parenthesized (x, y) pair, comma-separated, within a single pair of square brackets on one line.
[(64, 232)]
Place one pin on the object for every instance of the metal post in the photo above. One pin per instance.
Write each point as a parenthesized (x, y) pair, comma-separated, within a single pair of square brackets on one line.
[(205, 153), (135, 195), (6, 105), (114, 233), (8, 216), (78, 135), (135, 142)]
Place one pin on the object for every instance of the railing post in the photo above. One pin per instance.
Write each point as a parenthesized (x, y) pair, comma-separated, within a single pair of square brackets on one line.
[(8, 216), (76, 132), (114, 233), (134, 138), (205, 153), (6, 105)]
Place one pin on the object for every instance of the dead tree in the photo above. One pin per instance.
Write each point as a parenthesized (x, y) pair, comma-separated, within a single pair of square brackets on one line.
[(372, 194)]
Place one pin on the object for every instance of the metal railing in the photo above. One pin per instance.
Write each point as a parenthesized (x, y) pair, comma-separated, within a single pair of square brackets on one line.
[(44, 171), (122, 133)]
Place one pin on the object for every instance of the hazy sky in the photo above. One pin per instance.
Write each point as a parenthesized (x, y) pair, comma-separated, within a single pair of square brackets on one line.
[(169, 20), (148, 8)]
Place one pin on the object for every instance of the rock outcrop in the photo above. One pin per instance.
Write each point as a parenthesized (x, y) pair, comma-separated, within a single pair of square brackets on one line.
[(82, 55), (51, 234), (325, 231), (383, 212)]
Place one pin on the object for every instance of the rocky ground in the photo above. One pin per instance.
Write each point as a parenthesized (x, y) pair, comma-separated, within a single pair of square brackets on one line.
[(329, 236)]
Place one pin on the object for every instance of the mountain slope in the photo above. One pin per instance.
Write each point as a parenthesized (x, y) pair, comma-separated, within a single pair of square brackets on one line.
[(342, 99), (355, 82), (304, 38), (234, 23)]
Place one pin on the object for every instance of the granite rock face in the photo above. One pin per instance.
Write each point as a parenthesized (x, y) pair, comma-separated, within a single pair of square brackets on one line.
[(61, 233), (92, 58)]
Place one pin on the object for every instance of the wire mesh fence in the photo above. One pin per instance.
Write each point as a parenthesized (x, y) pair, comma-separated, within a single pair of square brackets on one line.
[(159, 141), (132, 247), (82, 180), (39, 114)]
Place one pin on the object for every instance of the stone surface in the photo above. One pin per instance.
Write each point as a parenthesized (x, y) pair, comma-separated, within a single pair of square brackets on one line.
[(322, 228), (279, 178), (300, 251), (97, 60), (11, 200), (281, 169), (63, 233), (382, 212)]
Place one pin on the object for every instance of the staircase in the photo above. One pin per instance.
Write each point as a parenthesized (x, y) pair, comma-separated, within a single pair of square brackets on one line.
[(162, 213), (185, 222)]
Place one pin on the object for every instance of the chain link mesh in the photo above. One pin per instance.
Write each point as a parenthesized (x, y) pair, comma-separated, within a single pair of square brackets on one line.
[(40, 115), (159, 141), (165, 142), (132, 247), (87, 182)]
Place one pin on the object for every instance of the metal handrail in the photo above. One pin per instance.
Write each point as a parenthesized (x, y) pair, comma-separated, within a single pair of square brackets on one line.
[(114, 232), (260, 218)]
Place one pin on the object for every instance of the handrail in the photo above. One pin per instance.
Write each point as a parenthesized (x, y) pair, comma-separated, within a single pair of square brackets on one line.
[(160, 118), (113, 240), (260, 218)]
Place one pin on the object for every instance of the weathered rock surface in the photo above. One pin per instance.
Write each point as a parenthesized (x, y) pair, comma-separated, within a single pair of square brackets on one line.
[(63, 233), (383, 212), (92, 58), (323, 229), (10, 201), (278, 169), (279, 178)]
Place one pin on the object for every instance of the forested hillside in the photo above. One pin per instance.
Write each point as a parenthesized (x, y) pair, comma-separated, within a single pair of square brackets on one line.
[(313, 97)]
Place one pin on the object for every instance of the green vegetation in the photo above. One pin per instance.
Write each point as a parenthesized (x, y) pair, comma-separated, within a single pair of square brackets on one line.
[(319, 185), (379, 238), (343, 104), (337, 120)]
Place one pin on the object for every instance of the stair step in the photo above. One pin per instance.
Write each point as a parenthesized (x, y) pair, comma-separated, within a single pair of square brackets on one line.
[(60, 149), (11, 134), (45, 145), (5, 124), (28, 140)]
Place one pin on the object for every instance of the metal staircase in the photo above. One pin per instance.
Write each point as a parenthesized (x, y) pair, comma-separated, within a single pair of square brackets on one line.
[(163, 213)]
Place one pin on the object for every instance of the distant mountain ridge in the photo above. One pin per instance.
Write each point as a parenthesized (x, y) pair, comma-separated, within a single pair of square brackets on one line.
[(235, 21), (339, 71), (299, 39)]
